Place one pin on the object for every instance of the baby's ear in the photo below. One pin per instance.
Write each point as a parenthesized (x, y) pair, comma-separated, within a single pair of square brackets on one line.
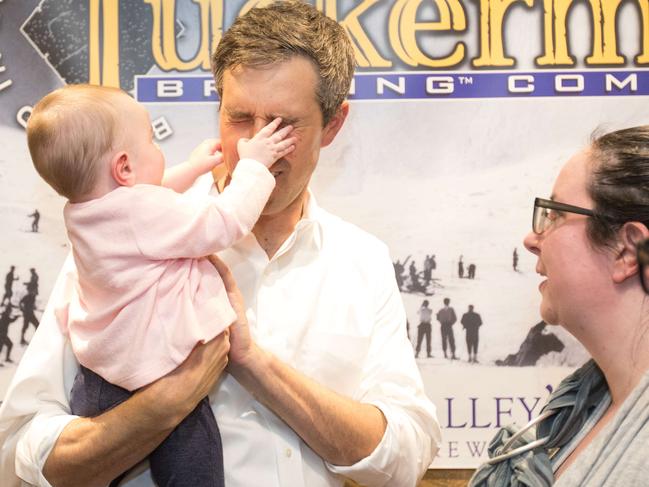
[(122, 170)]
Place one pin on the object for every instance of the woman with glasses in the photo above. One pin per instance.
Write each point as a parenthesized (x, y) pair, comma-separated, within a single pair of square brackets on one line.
[(590, 238)]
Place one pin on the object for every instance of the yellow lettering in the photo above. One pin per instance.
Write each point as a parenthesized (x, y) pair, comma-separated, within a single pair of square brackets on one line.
[(364, 51), (604, 50), (216, 15), (604, 37), (250, 4), (492, 14), (643, 58), (403, 29), (163, 35), (103, 68), (555, 9), (327, 7)]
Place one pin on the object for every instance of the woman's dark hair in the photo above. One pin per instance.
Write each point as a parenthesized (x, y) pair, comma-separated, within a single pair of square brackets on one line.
[(619, 185)]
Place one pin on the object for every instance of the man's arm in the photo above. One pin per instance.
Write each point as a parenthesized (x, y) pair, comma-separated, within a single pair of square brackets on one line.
[(94, 451), (35, 410), (342, 431)]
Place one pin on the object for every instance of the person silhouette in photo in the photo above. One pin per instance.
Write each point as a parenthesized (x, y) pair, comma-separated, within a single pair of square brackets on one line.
[(471, 322), (433, 264), (32, 284), (460, 268), (446, 316), (515, 260), (9, 283), (399, 269), (416, 285), (27, 306), (428, 270), (36, 218), (424, 328), (537, 343), (412, 271), (5, 320), (471, 271)]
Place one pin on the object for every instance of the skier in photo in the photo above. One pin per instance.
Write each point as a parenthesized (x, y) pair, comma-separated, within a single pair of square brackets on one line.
[(424, 328), (28, 307), (471, 273), (471, 322), (9, 283), (399, 269), (412, 271), (36, 218), (460, 268), (515, 260), (428, 270), (446, 317), (5, 320), (32, 284)]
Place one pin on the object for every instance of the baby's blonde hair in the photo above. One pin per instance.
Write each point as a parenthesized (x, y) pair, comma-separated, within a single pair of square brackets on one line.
[(70, 134)]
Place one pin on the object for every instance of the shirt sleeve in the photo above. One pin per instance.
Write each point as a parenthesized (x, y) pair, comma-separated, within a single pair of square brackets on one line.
[(168, 225), (392, 382), (35, 409)]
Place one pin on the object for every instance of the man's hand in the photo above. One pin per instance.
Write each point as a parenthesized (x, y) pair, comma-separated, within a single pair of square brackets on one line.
[(93, 451), (182, 389), (345, 430)]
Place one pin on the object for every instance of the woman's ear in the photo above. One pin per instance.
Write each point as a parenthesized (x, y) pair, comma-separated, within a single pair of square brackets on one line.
[(626, 261), (122, 170)]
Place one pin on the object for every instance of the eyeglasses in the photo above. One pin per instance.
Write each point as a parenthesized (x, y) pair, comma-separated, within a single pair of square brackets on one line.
[(643, 260), (542, 217)]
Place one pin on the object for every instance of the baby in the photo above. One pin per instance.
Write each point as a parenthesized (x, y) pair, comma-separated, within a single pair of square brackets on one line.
[(146, 293)]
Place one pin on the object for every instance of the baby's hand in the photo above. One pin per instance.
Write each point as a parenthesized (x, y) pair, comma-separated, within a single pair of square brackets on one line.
[(268, 145), (206, 155)]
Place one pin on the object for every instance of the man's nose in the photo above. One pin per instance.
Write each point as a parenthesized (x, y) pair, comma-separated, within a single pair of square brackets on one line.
[(258, 124)]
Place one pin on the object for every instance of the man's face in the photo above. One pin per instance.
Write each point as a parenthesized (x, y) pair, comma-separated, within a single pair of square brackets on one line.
[(253, 97)]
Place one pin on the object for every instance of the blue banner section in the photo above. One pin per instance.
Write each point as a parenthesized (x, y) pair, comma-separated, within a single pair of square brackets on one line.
[(418, 86)]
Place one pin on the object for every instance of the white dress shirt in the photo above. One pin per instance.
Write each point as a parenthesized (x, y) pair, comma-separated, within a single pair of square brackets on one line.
[(328, 305)]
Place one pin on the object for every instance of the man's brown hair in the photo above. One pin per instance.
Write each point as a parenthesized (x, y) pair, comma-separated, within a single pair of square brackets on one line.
[(264, 36)]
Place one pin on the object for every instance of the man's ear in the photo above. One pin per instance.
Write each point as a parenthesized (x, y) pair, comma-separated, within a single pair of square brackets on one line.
[(626, 261), (122, 170), (335, 124)]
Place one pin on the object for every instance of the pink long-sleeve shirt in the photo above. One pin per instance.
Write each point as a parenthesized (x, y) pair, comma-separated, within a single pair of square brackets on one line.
[(146, 294)]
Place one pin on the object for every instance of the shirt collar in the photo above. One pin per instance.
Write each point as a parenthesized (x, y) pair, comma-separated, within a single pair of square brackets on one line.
[(308, 230), (311, 219), (309, 225)]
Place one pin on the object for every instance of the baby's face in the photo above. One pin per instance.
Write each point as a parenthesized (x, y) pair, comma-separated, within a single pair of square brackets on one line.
[(147, 158)]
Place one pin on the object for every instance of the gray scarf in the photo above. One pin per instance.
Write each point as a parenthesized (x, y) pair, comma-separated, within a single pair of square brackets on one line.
[(565, 413)]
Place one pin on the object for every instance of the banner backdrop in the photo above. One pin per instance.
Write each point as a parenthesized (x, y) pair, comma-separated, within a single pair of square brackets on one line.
[(462, 112)]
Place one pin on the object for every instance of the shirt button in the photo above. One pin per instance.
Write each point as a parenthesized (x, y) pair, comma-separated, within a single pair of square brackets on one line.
[(288, 452)]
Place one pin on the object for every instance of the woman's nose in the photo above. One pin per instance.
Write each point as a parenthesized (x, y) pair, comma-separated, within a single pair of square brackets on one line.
[(531, 242)]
